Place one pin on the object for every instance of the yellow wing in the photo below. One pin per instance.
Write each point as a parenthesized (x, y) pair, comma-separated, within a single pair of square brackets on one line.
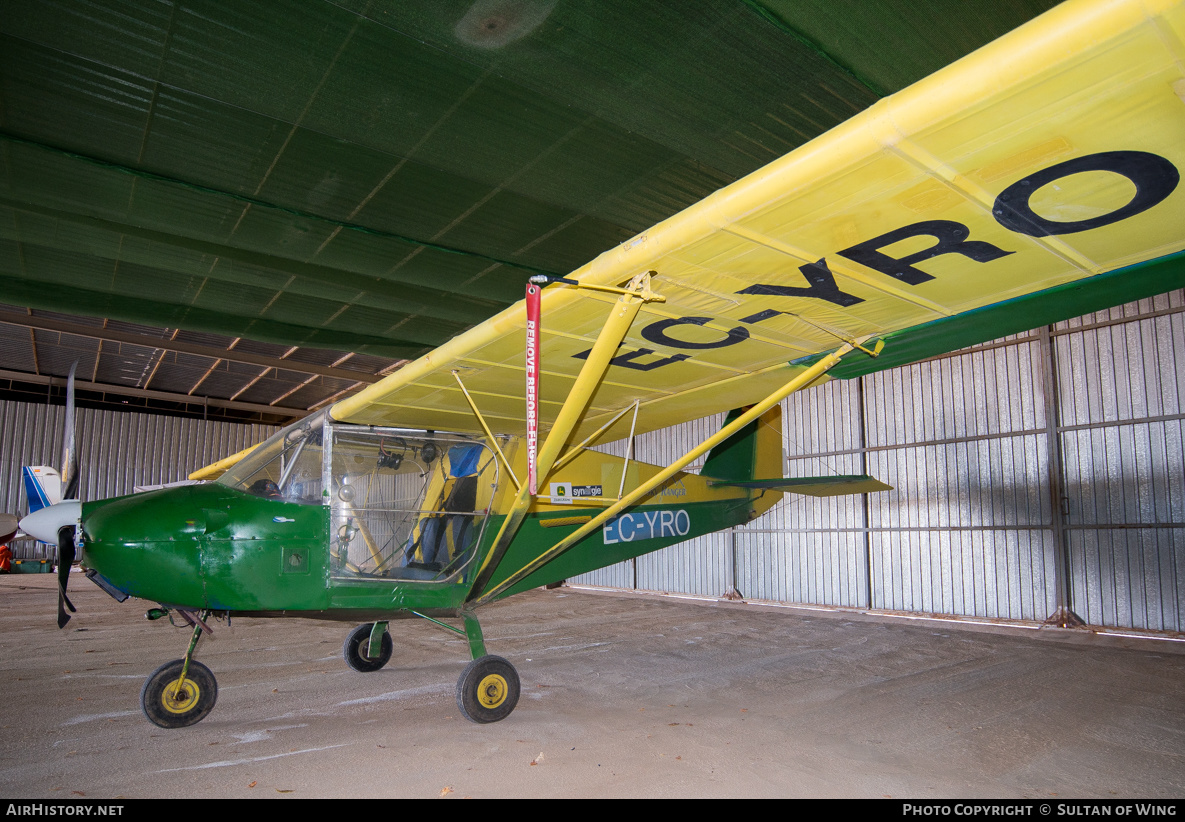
[(1047, 158), (216, 469), (1034, 180)]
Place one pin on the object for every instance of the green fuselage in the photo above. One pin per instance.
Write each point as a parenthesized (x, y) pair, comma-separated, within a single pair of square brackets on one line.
[(213, 547)]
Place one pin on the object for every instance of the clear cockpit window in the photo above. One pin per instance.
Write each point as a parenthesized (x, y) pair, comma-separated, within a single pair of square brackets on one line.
[(408, 505), (287, 466)]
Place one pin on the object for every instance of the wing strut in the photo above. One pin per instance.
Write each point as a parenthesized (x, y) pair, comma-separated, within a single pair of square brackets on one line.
[(802, 380), (617, 325), (577, 450), (489, 434)]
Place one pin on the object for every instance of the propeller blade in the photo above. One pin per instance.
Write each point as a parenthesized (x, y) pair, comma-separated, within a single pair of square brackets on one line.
[(65, 560), (55, 524), (70, 473)]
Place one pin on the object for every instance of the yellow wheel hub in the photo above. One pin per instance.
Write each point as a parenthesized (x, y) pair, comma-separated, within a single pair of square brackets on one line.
[(491, 691), (180, 697)]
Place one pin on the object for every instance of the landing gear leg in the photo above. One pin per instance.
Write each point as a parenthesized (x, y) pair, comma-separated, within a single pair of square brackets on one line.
[(182, 692), (488, 689)]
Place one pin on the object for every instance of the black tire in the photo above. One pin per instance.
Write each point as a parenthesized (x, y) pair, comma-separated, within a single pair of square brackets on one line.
[(165, 708), (356, 645), (487, 690)]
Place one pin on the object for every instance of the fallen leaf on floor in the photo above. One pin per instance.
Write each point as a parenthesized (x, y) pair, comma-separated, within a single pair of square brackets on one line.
[(282, 790), (446, 790), (78, 793), (252, 785)]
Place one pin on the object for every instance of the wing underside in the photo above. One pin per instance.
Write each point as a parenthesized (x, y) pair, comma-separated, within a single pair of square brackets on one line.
[(1043, 164), (1032, 181)]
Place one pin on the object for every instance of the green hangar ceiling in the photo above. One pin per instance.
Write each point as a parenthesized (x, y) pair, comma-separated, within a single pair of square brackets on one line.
[(375, 176)]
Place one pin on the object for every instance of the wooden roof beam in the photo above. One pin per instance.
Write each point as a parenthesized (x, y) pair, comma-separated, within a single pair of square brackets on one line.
[(160, 343)]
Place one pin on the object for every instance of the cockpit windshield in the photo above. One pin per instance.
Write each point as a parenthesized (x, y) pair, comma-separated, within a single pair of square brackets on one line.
[(288, 466)]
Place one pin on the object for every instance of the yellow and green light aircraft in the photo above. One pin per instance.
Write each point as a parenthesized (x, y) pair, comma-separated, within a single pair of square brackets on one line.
[(1035, 180)]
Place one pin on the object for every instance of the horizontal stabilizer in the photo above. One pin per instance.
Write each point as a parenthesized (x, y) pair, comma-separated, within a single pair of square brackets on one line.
[(815, 486)]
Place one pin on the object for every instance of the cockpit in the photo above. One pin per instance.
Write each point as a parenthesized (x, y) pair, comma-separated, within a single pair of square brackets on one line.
[(404, 504), (408, 504)]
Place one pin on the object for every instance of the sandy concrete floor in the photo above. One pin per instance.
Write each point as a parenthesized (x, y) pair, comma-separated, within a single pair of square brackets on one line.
[(622, 696)]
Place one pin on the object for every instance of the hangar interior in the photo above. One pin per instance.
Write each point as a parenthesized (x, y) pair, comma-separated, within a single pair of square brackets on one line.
[(983, 447), (248, 211)]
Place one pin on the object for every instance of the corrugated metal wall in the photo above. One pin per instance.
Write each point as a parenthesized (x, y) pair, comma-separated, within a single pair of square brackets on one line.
[(1122, 430), (1038, 472), (116, 450)]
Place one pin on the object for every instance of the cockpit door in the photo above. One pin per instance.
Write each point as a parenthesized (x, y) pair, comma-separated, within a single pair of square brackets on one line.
[(408, 505)]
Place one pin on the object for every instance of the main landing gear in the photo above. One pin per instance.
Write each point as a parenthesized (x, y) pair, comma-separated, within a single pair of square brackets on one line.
[(488, 689), (362, 653)]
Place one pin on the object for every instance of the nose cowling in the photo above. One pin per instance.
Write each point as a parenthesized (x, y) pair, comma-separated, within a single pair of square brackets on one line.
[(148, 545), (207, 546)]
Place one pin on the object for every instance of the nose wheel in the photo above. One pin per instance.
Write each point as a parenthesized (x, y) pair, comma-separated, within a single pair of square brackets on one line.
[(487, 690), (175, 696), (182, 692)]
